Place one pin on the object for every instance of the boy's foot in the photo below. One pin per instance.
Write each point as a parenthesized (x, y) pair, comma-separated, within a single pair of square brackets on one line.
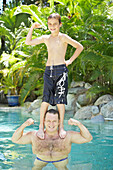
[(40, 133), (62, 133)]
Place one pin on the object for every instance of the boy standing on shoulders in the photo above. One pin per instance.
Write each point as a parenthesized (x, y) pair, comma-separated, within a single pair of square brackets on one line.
[(56, 72)]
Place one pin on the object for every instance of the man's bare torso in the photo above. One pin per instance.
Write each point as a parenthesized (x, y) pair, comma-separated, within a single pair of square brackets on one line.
[(56, 49), (51, 149)]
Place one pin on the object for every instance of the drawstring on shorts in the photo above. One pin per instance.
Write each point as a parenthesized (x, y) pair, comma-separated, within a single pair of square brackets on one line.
[(51, 68)]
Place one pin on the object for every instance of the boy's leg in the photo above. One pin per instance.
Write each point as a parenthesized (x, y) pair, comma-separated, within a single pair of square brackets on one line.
[(43, 109), (61, 109)]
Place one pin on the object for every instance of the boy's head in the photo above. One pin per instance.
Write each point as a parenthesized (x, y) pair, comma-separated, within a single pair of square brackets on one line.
[(55, 16), (54, 23)]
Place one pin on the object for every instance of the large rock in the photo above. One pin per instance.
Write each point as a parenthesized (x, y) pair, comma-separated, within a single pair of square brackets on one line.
[(76, 90), (35, 104), (27, 105), (70, 103), (77, 84), (95, 110), (36, 111), (103, 99), (98, 118), (107, 110), (84, 100), (84, 113)]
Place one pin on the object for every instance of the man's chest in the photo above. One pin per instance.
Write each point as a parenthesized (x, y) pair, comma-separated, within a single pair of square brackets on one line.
[(51, 145)]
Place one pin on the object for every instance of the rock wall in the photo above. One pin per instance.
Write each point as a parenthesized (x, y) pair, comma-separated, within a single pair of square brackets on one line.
[(80, 105)]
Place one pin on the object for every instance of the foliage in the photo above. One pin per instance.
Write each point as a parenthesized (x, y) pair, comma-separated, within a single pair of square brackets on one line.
[(89, 22), (11, 72), (11, 27)]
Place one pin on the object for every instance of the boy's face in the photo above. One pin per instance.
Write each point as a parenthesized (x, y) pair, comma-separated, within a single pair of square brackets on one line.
[(53, 25)]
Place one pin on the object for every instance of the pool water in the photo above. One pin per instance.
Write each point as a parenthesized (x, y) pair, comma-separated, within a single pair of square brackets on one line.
[(95, 155)]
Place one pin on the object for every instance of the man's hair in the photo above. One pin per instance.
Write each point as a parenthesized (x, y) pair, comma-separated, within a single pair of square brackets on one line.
[(52, 111), (56, 16)]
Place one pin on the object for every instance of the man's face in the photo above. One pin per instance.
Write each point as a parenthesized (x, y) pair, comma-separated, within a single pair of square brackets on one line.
[(51, 122), (53, 25)]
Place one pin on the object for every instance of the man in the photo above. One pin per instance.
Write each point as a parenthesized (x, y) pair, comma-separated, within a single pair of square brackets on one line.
[(56, 72), (52, 149)]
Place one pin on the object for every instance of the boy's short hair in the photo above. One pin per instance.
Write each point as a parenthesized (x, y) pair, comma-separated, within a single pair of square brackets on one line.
[(56, 16), (52, 111)]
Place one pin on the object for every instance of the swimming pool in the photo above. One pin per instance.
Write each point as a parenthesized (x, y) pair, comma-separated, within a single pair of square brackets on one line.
[(95, 155)]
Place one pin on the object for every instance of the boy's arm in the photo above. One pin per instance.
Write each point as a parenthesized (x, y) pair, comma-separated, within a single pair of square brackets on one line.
[(35, 41), (83, 136), (19, 137), (75, 44)]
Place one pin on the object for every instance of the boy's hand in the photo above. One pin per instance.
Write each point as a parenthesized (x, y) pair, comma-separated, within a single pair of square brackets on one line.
[(73, 122), (29, 122), (68, 62), (36, 25)]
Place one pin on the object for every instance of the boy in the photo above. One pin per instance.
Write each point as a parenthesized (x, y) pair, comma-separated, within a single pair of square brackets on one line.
[(55, 76)]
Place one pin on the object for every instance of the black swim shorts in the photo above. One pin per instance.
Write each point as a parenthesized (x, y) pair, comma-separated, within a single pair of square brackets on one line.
[(55, 84)]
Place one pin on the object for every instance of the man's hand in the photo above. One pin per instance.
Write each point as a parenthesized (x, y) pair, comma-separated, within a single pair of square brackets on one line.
[(19, 137), (73, 122), (79, 137), (36, 25), (29, 122)]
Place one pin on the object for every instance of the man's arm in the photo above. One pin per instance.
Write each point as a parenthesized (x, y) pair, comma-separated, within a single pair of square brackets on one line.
[(75, 44), (83, 136), (19, 137), (35, 41)]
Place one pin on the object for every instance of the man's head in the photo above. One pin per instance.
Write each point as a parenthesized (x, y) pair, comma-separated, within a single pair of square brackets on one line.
[(51, 121), (54, 23)]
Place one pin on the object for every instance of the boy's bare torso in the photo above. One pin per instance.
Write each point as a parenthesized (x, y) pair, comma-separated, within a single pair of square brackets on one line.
[(56, 47)]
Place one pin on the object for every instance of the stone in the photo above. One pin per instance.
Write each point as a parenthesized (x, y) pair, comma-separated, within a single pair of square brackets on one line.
[(52, 107), (98, 118), (84, 100), (107, 110), (3, 98), (87, 86), (103, 99), (84, 113), (36, 111), (27, 105), (75, 90), (70, 112), (95, 110), (36, 103), (70, 102), (77, 84)]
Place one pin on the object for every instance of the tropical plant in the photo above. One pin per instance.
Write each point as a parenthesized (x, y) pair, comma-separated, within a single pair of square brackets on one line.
[(11, 28), (90, 23), (12, 72), (38, 55)]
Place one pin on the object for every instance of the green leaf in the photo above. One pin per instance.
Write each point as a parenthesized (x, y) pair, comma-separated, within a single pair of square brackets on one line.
[(33, 11)]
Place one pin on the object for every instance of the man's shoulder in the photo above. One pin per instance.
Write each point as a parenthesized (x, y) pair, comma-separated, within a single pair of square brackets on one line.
[(71, 133), (32, 133)]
